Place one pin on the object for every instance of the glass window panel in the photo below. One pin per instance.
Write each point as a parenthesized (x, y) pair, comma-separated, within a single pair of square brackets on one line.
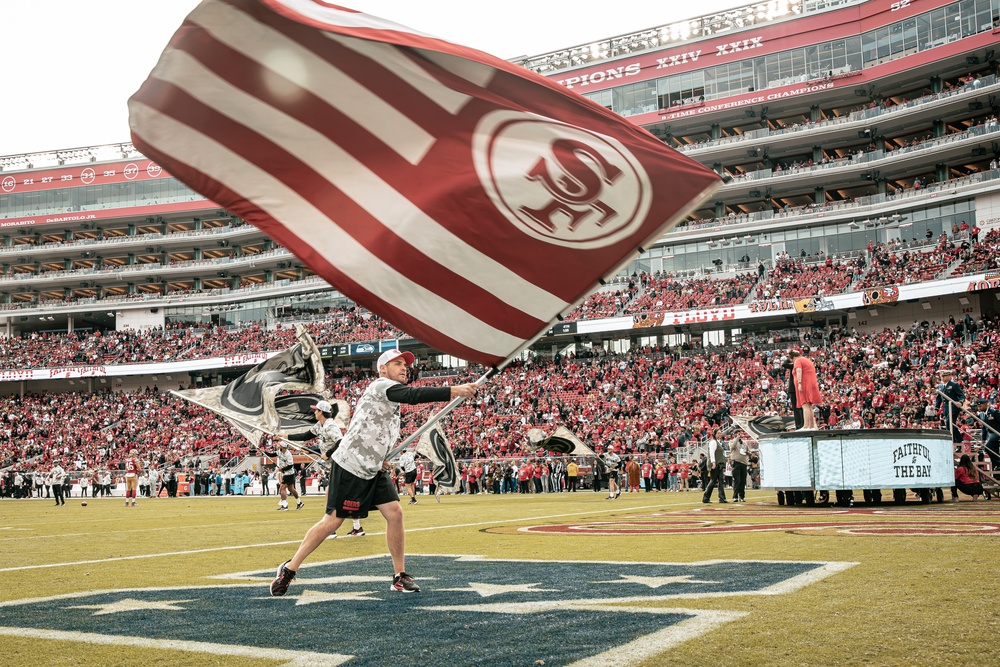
[(938, 31), (909, 34), (815, 55), (953, 22), (853, 49), (923, 31), (896, 39), (967, 8), (798, 62), (868, 48), (882, 42)]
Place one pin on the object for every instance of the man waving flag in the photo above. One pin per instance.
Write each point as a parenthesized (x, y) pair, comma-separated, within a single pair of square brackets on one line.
[(464, 199)]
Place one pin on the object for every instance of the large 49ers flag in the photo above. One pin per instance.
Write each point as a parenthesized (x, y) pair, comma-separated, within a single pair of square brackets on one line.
[(462, 198)]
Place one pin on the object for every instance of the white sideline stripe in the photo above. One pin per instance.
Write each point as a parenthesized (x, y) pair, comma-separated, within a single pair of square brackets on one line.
[(55, 536), (284, 542), (291, 658)]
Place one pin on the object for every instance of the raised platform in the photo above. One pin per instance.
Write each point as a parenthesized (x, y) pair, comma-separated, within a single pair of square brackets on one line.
[(843, 460)]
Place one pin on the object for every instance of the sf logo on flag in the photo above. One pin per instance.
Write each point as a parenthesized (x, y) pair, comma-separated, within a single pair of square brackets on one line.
[(586, 191)]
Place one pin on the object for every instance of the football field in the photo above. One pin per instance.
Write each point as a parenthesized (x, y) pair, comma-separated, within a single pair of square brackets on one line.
[(550, 579)]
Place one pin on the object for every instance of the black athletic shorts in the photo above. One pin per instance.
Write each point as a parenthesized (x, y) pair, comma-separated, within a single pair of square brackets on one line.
[(351, 497), (411, 476), (613, 474), (288, 479)]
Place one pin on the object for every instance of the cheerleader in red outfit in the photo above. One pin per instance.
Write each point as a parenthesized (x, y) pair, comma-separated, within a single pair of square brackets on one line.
[(806, 388)]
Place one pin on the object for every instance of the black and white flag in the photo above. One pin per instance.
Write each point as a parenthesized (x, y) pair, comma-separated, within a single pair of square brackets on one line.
[(563, 441), (434, 445), (251, 402)]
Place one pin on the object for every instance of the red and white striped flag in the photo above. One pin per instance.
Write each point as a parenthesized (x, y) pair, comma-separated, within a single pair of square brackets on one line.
[(464, 199)]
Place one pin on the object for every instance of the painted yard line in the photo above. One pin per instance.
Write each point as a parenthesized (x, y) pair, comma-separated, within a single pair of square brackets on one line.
[(648, 646), (139, 530), (290, 658), (189, 552)]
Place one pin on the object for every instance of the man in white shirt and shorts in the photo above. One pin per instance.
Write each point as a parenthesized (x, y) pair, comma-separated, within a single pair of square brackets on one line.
[(359, 478)]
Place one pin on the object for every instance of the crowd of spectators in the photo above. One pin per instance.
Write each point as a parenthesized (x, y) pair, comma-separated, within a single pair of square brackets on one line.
[(183, 341), (606, 302), (96, 430), (892, 265), (982, 257), (792, 279), (664, 291), (647, 401)]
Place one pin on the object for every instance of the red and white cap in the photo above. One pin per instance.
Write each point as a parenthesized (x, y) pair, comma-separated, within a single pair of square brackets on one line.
[(389, 355)]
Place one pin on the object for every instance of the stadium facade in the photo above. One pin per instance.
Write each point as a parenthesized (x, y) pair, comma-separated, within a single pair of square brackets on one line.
[(837, 125)]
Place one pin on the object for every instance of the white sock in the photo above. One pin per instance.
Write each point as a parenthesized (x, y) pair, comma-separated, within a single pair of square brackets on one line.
[(357, 525)]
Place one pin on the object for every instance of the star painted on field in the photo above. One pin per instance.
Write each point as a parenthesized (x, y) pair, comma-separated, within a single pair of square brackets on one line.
[(656, 582), (312, 597), (130, 604), (488, 590)]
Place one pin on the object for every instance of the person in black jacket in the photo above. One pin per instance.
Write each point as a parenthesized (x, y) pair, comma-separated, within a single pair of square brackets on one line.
[(788, 364)]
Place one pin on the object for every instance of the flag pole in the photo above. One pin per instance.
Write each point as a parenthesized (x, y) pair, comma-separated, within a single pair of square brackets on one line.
[(455, 402), (253, 427)]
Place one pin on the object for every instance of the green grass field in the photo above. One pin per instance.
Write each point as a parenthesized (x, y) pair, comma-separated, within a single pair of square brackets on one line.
[(912, 585)]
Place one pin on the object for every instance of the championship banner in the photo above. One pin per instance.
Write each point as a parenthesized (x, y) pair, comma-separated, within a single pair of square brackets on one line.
[(434, 445), (464, 199), (252, 400), (563, 441)]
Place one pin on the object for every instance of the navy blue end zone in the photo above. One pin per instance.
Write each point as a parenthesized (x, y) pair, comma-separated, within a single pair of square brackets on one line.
[(471, 610)]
